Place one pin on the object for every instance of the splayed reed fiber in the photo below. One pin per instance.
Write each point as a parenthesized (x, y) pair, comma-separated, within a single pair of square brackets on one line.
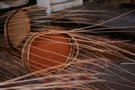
[(99, 58)]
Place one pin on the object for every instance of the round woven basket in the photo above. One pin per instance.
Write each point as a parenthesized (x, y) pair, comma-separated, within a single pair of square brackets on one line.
[(49, 51)]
